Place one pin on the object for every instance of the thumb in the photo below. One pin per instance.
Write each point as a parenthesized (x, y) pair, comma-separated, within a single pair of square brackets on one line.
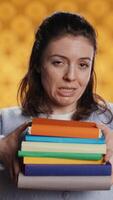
[(19, 130), (107, 133), (22, 128)]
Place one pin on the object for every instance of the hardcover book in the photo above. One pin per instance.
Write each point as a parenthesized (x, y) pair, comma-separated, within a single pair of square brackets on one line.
[(35, 138), (63, 147), (39, 160), (67, 170), (79, 156), (64, 128), (62, 183)]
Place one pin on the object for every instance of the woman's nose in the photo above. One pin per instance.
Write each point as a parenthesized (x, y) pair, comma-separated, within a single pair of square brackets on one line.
[(70, 73)]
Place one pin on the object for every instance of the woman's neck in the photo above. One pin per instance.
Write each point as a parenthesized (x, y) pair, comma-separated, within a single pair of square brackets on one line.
[(63, 110)]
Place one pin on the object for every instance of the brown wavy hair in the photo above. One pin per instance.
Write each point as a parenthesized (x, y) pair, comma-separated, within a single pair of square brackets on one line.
[(31, 93)]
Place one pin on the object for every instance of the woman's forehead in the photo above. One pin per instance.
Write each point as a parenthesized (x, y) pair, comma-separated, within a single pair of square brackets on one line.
[(68, 45)]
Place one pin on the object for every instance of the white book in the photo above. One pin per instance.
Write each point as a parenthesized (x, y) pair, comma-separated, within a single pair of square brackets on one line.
[(63, 147), (70, 183)]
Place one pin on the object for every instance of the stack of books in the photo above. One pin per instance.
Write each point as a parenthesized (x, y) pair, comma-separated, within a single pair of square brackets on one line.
[(64, 155)]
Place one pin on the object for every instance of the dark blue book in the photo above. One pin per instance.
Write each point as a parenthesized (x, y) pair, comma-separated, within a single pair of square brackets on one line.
[(67, 170)]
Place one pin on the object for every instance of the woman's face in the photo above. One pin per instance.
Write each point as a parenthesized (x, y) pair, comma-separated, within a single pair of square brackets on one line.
[(65, 71)]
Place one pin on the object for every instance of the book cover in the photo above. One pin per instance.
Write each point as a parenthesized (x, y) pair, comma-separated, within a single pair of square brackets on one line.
[(64, 128), (65, 183), (63, 147), (67, 170), (82, 156)]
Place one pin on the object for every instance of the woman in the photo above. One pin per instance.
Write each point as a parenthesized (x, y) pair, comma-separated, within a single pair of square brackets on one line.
[(59, 84)]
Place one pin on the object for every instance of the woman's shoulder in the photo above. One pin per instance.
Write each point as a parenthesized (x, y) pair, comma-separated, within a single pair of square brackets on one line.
[(11, 112), (11, 118), (13, 109)]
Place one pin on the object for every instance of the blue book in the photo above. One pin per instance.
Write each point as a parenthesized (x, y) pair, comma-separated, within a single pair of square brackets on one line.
[(67, 170), (35, 138)]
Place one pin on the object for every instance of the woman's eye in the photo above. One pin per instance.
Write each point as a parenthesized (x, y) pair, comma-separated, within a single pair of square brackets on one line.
[(57, 63), (84, 65)]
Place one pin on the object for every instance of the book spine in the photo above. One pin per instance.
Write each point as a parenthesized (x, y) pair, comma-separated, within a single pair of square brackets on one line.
[(50, 130), (81, 156), (67, 170), (40, 160), (57, 122), (61, 183), (34, 138), (63, 147)]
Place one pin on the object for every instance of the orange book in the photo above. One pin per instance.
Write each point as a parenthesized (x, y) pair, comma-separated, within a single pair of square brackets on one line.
[(64, 128)]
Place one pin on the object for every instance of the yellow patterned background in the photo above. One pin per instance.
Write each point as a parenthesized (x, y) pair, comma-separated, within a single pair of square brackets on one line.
[(18, 22)]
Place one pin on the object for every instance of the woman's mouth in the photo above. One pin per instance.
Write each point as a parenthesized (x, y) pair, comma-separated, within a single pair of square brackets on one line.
[(66, 91)]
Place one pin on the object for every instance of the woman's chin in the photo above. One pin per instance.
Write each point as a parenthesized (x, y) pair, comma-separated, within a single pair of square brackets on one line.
[(65, 102)]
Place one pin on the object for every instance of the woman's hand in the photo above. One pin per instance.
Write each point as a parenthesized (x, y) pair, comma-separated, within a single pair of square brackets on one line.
[(109, 144), (8, 150)]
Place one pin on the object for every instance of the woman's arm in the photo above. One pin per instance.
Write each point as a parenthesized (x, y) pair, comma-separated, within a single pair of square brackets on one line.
[(8, 150)]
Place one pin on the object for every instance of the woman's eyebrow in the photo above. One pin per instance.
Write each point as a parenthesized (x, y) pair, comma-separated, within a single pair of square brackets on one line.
[(66, 58), (57, 55), (86, 58)]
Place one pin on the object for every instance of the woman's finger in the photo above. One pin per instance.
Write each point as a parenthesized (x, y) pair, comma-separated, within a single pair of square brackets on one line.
[(105, 130), (109, 141), (8, 163), (108, 155), (16, 170)]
